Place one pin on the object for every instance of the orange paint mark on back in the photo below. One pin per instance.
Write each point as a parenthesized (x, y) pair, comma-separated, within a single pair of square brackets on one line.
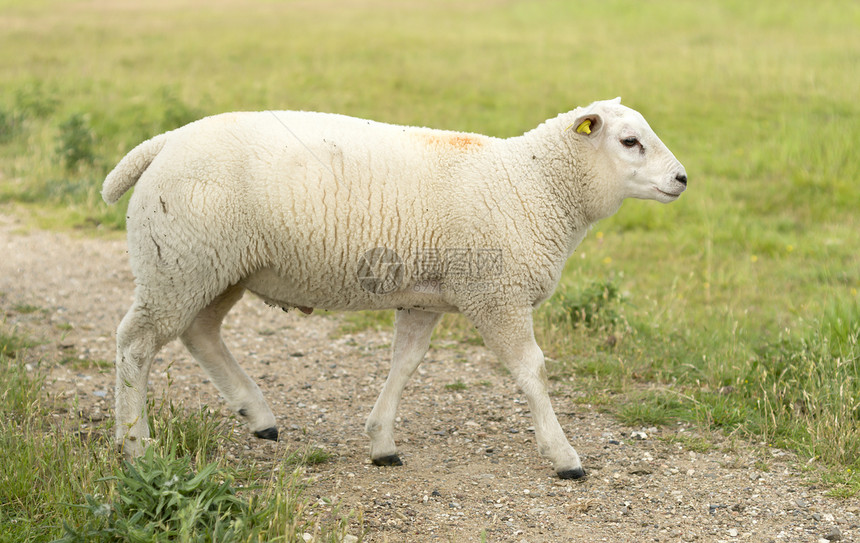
[(461, 142)]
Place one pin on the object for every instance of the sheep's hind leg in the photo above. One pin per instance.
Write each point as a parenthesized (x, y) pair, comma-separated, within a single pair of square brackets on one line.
[(511, 337), (137, 341), (412, 330), (203, 340)]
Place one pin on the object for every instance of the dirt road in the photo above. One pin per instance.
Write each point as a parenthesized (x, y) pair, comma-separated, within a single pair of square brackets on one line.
[(471, 473)]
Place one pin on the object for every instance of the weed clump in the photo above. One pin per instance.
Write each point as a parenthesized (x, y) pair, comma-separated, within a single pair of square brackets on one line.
[(596, 306), (808, 388), (34, 100), (456, 386), (160, 498), (11, 123), (76, 142)]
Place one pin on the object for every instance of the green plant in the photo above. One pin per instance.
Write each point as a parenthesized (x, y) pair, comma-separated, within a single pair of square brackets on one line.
[(47, 460), (650, 410), (595, 305), (175, 112), (845, 482), (197, 433), (26, 308), (807, 389), (160, 498), (76, 142), (308, 457), (456, 386), (20, 394), (79, 363), (11, 123), (32, 99), (10, 343), (19, 388), (762, 465), (359, 321), (691, 443)]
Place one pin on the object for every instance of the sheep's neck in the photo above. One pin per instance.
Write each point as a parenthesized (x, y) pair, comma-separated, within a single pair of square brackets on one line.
[(557, 182)]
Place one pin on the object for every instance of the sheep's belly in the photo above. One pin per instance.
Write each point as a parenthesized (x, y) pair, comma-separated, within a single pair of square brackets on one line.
[(280, 291)]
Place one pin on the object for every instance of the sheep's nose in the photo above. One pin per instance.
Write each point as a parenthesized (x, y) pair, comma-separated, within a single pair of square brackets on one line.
[(681, 178)]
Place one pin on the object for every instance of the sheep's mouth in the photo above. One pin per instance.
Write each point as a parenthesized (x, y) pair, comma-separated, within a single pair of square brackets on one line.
[(669, 194)]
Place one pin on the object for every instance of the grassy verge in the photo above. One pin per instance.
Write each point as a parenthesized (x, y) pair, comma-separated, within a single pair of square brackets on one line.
[(798, 390), (64, 482)]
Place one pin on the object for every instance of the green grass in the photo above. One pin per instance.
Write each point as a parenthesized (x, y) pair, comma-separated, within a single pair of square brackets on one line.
[(650, 409), (456, 386), (691, 443), (739, 302), (63, 480), (365, 320), (161, 498), (78, 363), (11, 342), (308, 457), (47, 464), (26, 308)]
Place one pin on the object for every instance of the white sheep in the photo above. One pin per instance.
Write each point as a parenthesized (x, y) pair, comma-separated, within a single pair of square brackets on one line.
[(312, 210)]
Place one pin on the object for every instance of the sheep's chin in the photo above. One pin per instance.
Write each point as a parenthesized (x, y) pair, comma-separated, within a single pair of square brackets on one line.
[(666, 197)]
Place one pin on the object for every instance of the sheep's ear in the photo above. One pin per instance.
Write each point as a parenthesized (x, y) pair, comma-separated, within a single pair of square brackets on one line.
[(589, 126)]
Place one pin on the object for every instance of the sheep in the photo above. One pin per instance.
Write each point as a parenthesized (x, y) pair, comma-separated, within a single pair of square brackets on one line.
[(315, 210)]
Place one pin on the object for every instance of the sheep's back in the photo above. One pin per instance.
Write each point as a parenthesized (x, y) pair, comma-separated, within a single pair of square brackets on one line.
[(308, 196)]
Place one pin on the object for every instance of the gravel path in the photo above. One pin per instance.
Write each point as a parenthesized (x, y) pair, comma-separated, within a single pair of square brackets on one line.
[(471, 473)]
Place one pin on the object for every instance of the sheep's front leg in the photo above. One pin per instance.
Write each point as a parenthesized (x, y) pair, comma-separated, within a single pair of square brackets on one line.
[(412, 329), (511, 337)]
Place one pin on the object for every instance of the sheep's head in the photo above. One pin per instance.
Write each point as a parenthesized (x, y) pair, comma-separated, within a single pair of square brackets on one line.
[(628, 153)]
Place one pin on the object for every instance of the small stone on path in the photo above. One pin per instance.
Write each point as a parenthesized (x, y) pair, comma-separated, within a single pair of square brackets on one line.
[(835, 534)]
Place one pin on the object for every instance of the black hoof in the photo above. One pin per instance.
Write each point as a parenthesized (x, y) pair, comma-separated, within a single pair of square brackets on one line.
[(577, 473), (269, 433), (390, 460)]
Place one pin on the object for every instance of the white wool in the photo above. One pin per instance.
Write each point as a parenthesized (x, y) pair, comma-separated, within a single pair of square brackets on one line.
[(315, 210)]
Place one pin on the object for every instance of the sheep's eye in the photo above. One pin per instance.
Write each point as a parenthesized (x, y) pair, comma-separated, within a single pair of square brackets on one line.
[(630, 142)]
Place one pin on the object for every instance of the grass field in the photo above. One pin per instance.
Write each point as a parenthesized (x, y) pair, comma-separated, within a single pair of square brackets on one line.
[(735, 308)]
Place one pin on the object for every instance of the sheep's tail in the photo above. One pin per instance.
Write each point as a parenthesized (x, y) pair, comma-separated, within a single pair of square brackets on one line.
[(130, 168)]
